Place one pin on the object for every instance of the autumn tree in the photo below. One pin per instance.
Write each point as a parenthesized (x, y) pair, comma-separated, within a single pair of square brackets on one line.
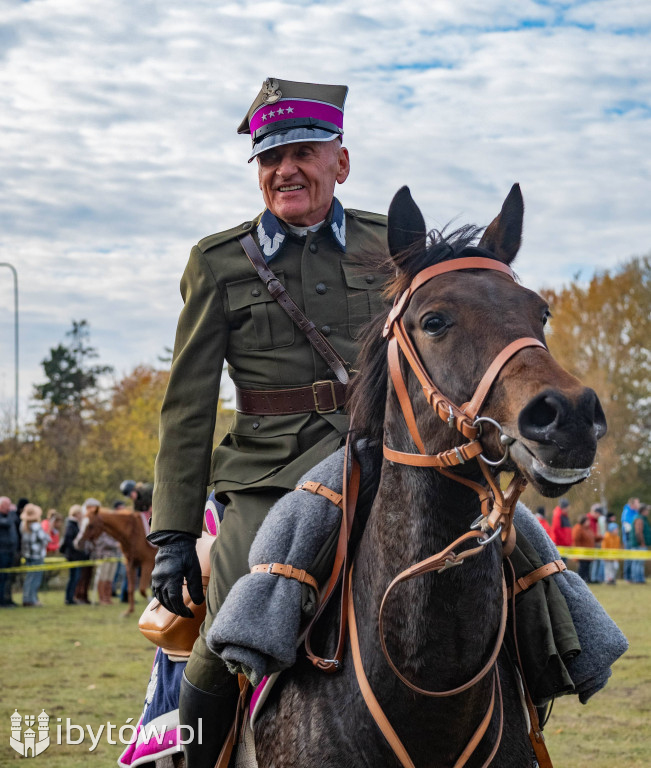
[(123, 442), (65, 404), (600, 331)]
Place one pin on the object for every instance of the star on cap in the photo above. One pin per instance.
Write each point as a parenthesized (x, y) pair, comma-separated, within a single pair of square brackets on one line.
[(280, 111), (272, 113), (264, 117), (289, 110)]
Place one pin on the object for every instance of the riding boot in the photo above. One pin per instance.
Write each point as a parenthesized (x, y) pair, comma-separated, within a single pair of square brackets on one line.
[(210, 715)]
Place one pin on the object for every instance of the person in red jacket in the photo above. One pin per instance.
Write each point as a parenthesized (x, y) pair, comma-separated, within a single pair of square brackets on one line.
[(561, 526), (540, 515)]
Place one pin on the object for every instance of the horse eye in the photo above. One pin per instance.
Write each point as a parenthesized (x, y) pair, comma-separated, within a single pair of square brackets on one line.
[(545, 318), (434, 325)]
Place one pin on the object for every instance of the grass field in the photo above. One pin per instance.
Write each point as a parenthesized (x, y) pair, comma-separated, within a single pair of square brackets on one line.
[(91, 665)]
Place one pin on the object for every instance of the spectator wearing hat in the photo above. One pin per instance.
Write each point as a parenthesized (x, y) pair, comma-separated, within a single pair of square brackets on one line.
[(34, 542), (561, 526), (141, 494), (8, 548), (315, 248), (611, 540)]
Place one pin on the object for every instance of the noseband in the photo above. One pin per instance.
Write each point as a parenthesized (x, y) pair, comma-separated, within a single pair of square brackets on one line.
[(497, 507)]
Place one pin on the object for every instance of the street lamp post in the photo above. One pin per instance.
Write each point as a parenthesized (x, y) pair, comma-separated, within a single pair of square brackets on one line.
[(15, 274)]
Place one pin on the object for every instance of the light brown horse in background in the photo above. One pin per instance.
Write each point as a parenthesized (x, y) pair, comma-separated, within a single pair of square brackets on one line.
[(127, 528)]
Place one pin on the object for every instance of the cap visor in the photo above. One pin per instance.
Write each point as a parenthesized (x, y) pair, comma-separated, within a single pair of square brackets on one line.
[(293, 136)]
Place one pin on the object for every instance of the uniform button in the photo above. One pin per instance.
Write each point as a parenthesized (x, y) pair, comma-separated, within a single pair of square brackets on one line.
[(314, 248), (321, 288), (255, 424), (255, 292), (246, 225), (325, 330), (370, 279)]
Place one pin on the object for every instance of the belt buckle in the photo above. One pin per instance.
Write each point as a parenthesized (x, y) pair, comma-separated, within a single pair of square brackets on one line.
[(315, 394)]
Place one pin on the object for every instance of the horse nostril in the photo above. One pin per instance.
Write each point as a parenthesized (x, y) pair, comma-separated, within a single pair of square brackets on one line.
[(539, 418), (598, 415)]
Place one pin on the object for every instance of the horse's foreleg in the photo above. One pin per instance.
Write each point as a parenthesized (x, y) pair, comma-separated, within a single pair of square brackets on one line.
[(131, 583), (146, 567)]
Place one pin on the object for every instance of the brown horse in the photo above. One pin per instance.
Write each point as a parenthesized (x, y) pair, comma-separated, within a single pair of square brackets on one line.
[(128, 530), (440, 629)]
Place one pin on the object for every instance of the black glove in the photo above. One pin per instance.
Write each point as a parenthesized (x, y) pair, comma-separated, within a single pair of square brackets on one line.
[(176, 559)]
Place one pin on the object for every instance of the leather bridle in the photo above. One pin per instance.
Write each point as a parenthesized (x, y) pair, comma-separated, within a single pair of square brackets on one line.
[(497, 506)]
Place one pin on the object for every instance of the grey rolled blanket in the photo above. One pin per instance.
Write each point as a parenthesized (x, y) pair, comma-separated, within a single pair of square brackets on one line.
[(256, 631)]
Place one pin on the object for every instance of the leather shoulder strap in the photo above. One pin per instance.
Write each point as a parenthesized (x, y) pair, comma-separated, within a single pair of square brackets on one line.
[(303, 323)]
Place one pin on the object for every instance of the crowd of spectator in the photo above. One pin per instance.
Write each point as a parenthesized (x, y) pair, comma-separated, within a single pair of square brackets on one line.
[(598, 529), (27, 538)]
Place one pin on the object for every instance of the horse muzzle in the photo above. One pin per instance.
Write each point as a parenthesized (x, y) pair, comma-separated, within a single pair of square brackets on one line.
[(557, 440)]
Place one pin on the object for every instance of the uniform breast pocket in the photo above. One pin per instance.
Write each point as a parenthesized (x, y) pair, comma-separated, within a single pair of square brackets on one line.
[(363, 294), (261, 322)]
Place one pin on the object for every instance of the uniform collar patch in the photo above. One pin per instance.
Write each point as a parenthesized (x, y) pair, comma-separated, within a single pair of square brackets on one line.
[(338, 225), (272, 236)]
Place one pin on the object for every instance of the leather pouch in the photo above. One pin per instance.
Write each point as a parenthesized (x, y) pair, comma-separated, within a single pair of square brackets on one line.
[(176, 634)]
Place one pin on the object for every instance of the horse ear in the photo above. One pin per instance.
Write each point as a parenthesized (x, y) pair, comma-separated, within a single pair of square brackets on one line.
[(406, 223), (504, 234)]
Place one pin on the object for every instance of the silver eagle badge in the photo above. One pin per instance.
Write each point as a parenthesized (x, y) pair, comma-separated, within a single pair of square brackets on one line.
[(271, 91)]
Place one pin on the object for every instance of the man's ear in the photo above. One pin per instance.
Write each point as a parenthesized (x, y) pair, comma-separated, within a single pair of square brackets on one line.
[(344, 165), (257, 160)]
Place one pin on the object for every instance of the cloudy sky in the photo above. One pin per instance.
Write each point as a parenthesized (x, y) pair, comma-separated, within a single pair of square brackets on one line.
[(118, 143)]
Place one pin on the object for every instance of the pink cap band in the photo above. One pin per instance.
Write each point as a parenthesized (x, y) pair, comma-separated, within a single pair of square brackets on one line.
[(291, 109)]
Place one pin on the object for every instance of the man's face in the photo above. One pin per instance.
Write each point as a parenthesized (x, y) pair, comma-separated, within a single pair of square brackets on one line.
[(298, 180)]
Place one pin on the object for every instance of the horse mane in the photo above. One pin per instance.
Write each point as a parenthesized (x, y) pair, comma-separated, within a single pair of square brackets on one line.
[(369, 387)]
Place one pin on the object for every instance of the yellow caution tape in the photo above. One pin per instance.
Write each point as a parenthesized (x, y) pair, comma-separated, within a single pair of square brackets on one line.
[(594, 553), (60, 565)]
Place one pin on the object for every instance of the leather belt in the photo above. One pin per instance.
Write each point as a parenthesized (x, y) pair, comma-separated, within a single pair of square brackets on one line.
[(323, 397)]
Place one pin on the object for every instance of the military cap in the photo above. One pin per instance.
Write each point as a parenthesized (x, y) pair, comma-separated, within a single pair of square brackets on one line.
[(287, 112)]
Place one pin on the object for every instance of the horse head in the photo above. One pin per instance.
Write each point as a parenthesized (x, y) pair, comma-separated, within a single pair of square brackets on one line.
[(94, 527), (461, 309)]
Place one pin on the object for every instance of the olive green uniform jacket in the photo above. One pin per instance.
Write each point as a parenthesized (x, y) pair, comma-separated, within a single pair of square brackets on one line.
[(229, 315)]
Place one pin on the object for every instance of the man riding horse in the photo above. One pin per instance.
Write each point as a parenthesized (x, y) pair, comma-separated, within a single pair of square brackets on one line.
[(290, 381)]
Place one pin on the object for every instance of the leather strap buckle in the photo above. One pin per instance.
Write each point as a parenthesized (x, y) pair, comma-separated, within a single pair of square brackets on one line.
[(329, 386)]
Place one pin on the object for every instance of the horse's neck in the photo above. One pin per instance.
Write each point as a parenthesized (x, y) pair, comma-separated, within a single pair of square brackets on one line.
[(438, 626), (120, 527)]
